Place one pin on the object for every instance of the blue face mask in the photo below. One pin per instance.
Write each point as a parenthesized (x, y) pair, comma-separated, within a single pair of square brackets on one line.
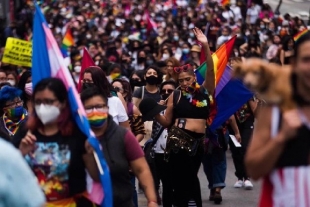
[(143, 30), (185, 50), (176, 38)]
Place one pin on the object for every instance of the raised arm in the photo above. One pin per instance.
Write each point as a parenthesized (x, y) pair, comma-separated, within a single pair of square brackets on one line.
[(209, 82)]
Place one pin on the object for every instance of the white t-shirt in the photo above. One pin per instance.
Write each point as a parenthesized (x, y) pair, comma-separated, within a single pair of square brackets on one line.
[(253, 13), (237, 12), (117, 110), (228, 14), (222, 39), (160, 145)]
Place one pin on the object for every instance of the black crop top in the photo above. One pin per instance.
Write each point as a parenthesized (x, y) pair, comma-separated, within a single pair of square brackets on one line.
[(185, 109)]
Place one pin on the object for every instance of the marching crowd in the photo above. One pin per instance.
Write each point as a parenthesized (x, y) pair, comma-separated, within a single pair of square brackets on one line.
[(146, 108)]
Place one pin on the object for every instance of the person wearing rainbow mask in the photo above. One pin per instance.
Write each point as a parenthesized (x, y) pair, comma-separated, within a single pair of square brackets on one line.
[(121, 150), (13, 111)]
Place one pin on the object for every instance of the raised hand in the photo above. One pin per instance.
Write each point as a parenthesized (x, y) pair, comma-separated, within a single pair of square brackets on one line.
[(28, 143), (200, 36)]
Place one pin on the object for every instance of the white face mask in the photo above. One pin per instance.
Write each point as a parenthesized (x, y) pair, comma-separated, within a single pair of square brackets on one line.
[(97, 62), (165, 56), (11, 82), (47, 113), (77, 68), (88, 36)]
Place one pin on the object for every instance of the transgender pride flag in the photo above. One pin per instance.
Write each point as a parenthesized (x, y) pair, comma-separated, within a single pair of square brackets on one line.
[(47, 61)]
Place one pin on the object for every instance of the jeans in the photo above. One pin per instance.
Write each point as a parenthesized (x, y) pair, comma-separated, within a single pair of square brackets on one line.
[(135, 195), (214, 166), (238, 153)]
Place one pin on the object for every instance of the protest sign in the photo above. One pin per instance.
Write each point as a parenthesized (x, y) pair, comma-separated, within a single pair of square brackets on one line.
[(17, 52)]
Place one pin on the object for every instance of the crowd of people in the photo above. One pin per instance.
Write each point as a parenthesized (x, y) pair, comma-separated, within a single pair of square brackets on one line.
[(151, 119)]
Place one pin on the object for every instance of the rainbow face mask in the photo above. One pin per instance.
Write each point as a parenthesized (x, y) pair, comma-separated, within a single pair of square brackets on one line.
[(97, 119), (15, 112)]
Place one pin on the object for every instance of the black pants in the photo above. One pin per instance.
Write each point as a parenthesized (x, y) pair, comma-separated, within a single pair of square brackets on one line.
[(238, 153), (163, 174), (184, 174)]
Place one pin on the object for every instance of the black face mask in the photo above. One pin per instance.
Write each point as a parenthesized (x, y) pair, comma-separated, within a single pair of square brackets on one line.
[(135, 82), (152, 80), (88, 85), (141, 59), (165, 96)]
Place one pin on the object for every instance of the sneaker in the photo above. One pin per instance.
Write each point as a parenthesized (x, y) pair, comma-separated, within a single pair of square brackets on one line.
[(238, 184), (248, 185)]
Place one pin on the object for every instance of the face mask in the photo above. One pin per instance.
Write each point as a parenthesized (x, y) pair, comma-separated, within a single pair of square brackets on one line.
[(77, 69), (97, 62), (11, 82), (165, 96), (47, 113), (247, 33), (152, 80), (185, 50), (88, 36), (97, 119), (165, 56), (191, 34), (141, 59), (28, 89), (143, 30), (88, 85), (176, 38), (135, 82), (149, 62), (262, 26), (15, 112)]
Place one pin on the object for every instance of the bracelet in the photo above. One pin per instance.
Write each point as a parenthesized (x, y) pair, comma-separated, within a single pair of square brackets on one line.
[(152, 202)]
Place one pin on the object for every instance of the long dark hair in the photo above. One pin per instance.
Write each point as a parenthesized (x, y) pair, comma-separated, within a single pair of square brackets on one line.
[(294, 79), (126, 88), (100, 80), (59, 89)]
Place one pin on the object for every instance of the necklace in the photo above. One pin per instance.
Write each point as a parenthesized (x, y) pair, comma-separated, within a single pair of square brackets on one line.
[(188, 93)]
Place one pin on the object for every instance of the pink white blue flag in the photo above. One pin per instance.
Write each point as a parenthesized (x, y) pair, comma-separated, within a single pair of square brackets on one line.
[(47, 61)]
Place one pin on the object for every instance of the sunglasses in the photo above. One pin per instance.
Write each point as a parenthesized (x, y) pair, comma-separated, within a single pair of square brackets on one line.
[(164, 91), (183, 68)]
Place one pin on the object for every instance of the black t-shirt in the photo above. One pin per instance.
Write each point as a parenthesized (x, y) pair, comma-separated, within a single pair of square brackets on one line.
[(58, 164), (138, 93)]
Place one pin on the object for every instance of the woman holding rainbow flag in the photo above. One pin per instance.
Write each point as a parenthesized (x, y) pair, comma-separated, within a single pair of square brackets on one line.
[(186, 115)]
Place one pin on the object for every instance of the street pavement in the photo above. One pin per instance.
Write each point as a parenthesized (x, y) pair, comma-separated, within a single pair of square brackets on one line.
[(293, 7), (231, 197)]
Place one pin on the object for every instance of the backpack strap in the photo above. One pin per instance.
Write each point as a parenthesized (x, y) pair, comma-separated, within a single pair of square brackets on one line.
[(176, 97), (142, 92)]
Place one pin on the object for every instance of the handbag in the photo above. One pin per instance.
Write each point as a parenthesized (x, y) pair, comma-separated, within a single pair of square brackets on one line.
[(149, 146)]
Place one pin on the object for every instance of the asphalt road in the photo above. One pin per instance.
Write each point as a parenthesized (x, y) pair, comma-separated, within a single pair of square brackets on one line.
[(231, 197), (293, 7)]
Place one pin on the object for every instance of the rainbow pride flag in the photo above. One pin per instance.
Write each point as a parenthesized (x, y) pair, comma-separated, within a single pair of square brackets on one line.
[(68, 40), (225, 2), (220, 59), (47, 61), (300, 34), (230, 94)]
